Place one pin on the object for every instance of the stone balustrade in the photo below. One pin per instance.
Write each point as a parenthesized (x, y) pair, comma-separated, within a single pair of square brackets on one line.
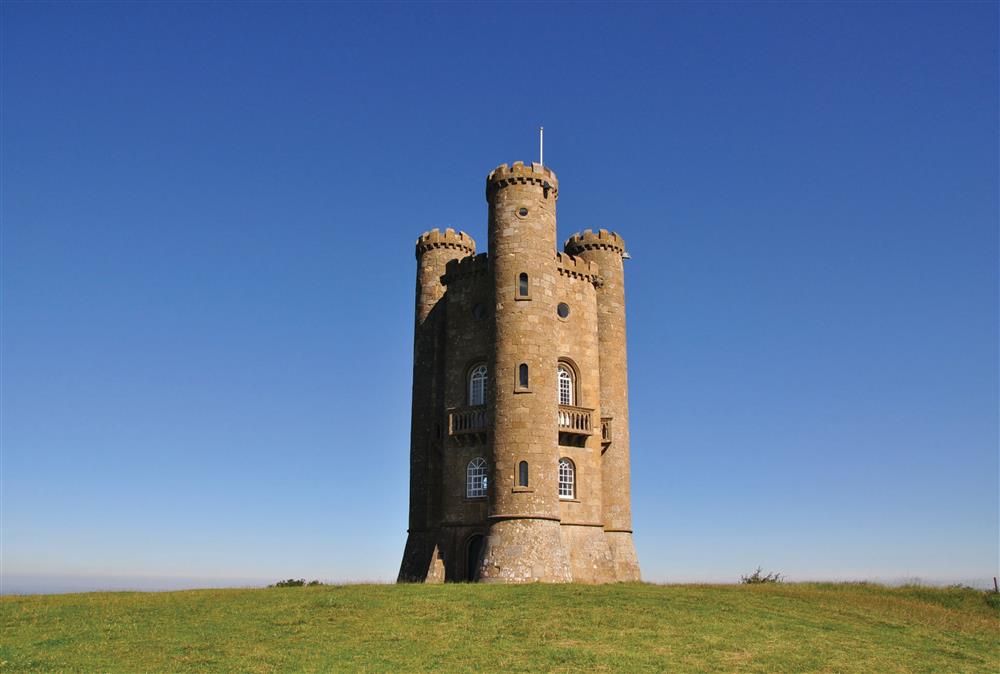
[(463, 420), (576, 420)]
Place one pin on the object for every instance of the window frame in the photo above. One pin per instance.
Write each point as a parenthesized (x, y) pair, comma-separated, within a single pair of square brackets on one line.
[(518, 388), (523, 475), (567, 478), (480, 367), (522, 277), (562, 367), (477, 478)]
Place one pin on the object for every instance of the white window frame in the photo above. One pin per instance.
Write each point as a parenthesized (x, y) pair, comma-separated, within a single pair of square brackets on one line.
[(476, 478), (567, 385), (478, 377), (567, 479)]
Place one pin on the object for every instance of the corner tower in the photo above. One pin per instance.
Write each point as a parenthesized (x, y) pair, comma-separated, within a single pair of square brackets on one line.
[(607, 250), (434, 249)]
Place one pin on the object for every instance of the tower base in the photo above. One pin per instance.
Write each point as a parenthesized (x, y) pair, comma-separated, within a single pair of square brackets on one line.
[(590, 557), (626, 562), (525, 551)]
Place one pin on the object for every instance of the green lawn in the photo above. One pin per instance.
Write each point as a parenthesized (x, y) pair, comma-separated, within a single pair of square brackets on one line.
[(530, 628)]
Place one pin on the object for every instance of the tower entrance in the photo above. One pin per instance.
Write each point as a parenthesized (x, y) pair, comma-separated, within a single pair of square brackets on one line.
[(472, 554)]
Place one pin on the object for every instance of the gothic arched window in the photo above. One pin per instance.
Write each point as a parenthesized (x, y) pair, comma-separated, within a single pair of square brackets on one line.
[(477, 384), (567, 478), (476, 478), (567, 388)]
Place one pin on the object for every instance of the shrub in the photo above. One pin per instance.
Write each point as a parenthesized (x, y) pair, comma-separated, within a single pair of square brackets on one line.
[(292, 582), (759, 576)]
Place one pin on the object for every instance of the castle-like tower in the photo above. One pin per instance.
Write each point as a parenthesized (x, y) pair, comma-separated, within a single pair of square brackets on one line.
[(519, 446)]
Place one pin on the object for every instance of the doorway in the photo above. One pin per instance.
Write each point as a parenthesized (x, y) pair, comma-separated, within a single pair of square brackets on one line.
[(473, 553)]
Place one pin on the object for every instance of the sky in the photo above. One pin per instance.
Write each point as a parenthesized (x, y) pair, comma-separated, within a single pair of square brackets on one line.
[(208, 220)]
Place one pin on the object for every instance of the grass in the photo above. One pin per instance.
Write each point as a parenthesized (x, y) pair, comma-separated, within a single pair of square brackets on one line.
[(529, 628)]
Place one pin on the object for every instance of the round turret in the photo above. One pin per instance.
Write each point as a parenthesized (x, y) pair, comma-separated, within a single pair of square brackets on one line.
[(588, 240), (520, 174), (449, 239)]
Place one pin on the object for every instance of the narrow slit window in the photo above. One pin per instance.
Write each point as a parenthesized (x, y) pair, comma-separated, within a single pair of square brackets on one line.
[(522, 474), (522, 285), (522, 375)]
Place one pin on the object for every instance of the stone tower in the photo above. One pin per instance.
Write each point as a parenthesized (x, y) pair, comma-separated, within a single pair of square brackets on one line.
[(519, 447)]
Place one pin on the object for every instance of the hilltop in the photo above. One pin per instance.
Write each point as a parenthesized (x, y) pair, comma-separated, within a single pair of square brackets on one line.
[(530, 628)]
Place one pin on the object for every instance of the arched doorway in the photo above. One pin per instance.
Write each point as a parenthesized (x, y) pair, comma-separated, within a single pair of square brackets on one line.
[(473, 552)]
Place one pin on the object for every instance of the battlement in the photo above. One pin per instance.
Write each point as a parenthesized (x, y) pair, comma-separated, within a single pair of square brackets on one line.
[(447, 239), (473, 265), (588, 240), (520, 174), (578, 268)]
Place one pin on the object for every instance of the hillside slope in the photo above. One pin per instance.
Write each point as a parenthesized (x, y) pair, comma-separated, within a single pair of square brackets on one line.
[(568, 628)]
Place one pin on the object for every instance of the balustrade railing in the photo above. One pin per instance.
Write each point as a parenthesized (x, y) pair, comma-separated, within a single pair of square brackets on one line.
[(606, 430), (575, 420), (467, 420)]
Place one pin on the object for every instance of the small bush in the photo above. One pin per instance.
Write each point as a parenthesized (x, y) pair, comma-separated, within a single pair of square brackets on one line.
[(292, 582), (759, 576)]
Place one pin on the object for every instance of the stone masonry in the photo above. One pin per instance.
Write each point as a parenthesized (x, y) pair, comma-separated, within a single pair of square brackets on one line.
[(519, 445)]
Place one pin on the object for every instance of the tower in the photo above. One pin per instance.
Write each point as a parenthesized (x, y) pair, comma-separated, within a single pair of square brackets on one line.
[(519, 467)]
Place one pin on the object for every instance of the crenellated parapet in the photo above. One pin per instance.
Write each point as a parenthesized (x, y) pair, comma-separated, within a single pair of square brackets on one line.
[(449, 238), (578, 268), (520, 174), (589, 240), (471, 266)]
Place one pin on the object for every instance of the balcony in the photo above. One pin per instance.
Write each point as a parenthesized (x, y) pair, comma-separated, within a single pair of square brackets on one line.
[(606, 431), (575, 425), (469, 425), (467, 420)]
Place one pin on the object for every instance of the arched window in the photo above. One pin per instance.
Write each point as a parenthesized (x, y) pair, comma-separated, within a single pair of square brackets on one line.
[(475, 478), (567, 390), (567, 479), (522, 474), (522, 375), (477, 384), (522, 285)]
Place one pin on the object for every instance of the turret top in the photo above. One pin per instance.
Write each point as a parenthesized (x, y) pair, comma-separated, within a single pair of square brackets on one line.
[(589, 240), (520, 174), (449, 238)]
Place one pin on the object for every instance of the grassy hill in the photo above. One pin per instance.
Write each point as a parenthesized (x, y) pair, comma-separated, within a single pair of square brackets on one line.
[(567, 628)]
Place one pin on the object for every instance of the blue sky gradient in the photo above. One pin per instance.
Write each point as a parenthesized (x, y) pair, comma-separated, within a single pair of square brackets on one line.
[(208, 220)]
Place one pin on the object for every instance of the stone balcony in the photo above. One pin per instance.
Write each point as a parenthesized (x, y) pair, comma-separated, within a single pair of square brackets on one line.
[(575, 425), (471, 424), (576, 420), (468, 420)]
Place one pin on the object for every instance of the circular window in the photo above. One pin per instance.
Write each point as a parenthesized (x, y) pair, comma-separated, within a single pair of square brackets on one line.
[(522, 212), (562, 310), (479, 311)]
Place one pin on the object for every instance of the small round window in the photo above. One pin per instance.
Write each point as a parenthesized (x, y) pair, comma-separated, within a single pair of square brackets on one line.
[(522, 212), (562, 310), (479, 311)]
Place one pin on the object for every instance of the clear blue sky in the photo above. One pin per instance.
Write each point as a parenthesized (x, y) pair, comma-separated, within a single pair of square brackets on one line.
[(208, 223)]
